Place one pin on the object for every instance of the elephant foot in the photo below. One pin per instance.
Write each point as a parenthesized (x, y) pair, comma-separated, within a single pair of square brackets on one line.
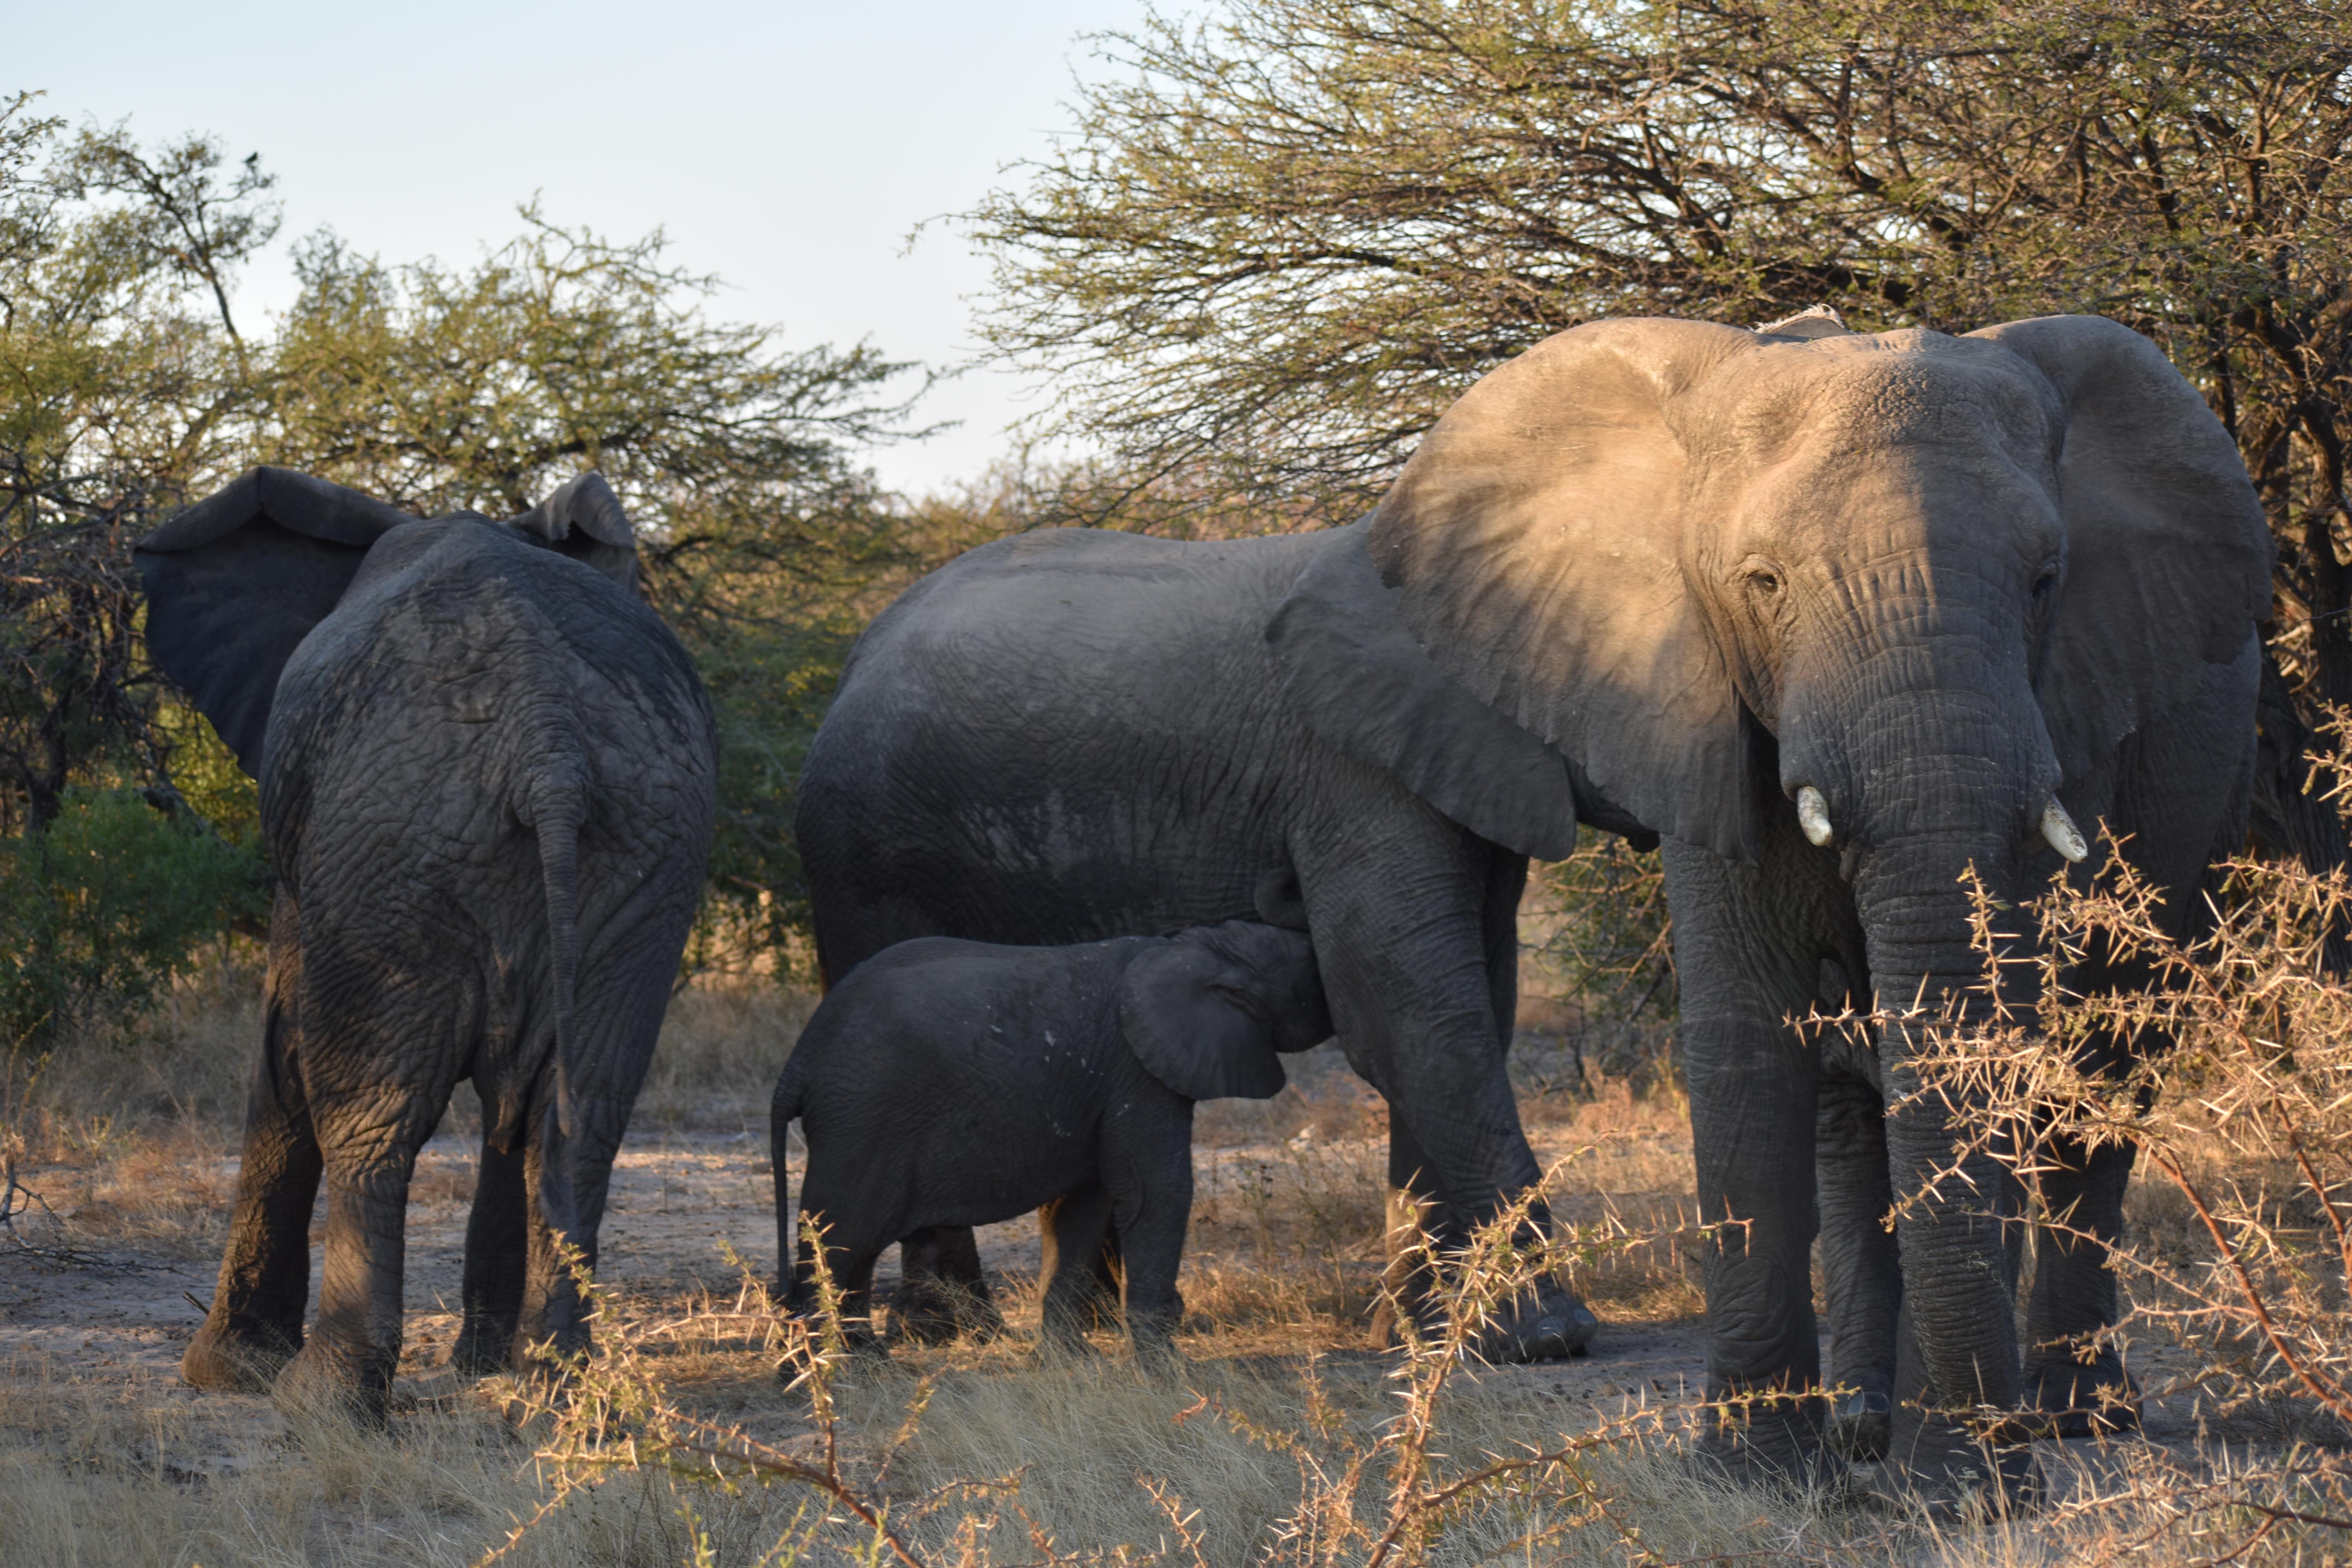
[(2096, 1400), (231, 1357), (1771, 1447), (930, 1311), (1862, 1422), (1949, 1469), (485, 1349), (334, 1382), (1545, 1324)]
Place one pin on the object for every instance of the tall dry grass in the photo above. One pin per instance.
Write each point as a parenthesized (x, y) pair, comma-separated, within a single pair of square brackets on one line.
[(1289, 1441)]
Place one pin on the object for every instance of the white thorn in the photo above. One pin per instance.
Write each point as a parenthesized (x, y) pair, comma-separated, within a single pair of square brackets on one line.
[(1813, 814), (2060, 829)]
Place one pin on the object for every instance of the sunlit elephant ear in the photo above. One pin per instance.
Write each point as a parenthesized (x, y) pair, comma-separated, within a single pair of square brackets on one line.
[(238, 579), (2168, 552), (1198, 1022), (1535, 536), (584, 520)]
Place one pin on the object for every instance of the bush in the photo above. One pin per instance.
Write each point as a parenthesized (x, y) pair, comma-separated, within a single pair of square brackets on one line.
[(104, 905)]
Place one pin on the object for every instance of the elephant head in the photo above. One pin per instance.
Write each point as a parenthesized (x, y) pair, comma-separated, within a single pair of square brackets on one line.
[(1206, 1010), (1909, 588), (237, 581)]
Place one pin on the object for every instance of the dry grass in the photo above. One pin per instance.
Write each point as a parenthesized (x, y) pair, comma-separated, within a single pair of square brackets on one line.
[(108, 1464)]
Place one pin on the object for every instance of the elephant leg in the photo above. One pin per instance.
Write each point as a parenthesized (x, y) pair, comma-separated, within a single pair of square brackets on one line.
[(1754, 1103), (1146, 1173), (1075, 1229), (1419, 1226), (942, 1292), (2068, 1371), (854, 1234), (254, 1323), (353, 1348), (1400, 907), (1863, 1272), (497, 1261)]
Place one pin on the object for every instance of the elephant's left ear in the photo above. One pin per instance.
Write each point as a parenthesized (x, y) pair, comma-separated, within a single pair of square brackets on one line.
[(2167, 552), (235, 582), (584, 520), (1189, 1015)]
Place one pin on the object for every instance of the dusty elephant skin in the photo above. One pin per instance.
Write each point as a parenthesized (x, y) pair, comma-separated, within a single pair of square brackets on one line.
[(486, 782), (1077, 735), (1841, 616), (960, 1083)]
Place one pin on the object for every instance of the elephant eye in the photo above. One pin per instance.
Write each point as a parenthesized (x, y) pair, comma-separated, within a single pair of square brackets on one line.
[(2044, 580), (1762, 578)]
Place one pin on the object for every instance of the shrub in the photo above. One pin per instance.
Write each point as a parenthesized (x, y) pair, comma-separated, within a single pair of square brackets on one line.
[(104, 905)]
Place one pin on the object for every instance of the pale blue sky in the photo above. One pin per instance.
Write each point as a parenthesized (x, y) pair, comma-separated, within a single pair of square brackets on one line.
[(789, 147)]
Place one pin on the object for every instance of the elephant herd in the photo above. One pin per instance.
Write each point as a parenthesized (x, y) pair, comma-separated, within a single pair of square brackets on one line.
[(1832, 618)]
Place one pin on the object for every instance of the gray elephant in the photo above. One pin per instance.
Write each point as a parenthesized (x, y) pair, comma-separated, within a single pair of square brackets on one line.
[(1840, 616), (960, 1083), (486, 782), (1843, 617), (1075, 734)]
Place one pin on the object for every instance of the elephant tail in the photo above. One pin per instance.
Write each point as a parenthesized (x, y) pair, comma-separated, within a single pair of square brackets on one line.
[(791, 1090), (557, 805)]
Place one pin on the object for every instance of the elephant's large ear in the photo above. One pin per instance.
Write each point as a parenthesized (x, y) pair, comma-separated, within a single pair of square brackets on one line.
[(1536, 536), (2167, 552), (238, 579), (1206, 1011), (1362, 683), (583, 519)]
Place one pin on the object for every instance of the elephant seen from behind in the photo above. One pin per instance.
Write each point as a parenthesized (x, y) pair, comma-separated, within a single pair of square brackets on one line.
[(959, 1083), (486, 774)]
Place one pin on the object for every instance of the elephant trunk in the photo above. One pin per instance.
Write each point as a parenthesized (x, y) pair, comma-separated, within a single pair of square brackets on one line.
[(1942, 767)]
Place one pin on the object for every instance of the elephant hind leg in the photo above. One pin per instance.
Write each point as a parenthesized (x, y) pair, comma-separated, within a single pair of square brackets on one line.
[(497, 1260), (254, 1323), (942, 1292)]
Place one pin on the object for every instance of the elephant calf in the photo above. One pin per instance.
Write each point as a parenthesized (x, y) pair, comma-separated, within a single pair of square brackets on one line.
[(959, 1083)]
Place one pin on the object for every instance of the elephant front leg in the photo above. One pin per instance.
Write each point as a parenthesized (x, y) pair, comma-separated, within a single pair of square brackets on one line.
[(1752, 1098), (1863, 1272), (1415, 946), (254, 1323), (1147, 1173), (2071, 1370)]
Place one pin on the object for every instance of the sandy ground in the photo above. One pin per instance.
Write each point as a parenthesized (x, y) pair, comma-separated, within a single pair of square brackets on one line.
[(121, 1313)]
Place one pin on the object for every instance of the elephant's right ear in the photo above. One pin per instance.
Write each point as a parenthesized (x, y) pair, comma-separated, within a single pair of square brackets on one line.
[(1194, 1018), (238, 579), (582, 519), (1362, 683), (1535, 538)]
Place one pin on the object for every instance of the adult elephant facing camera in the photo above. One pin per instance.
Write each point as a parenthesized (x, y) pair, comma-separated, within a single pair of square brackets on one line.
[(1841, 616), (486, 782)]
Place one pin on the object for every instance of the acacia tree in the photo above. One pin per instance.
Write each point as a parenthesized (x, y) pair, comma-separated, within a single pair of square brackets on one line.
[(1280, 240)]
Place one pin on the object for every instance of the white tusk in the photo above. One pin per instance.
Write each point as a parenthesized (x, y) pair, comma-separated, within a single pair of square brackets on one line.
[(2060, 829), (1813, 814)]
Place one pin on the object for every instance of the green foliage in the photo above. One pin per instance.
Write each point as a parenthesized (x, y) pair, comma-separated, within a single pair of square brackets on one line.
[(127, 387), (105, 904), (1283, 239)]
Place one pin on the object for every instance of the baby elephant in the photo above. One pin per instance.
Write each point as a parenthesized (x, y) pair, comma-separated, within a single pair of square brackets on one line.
[(959, 1083)]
